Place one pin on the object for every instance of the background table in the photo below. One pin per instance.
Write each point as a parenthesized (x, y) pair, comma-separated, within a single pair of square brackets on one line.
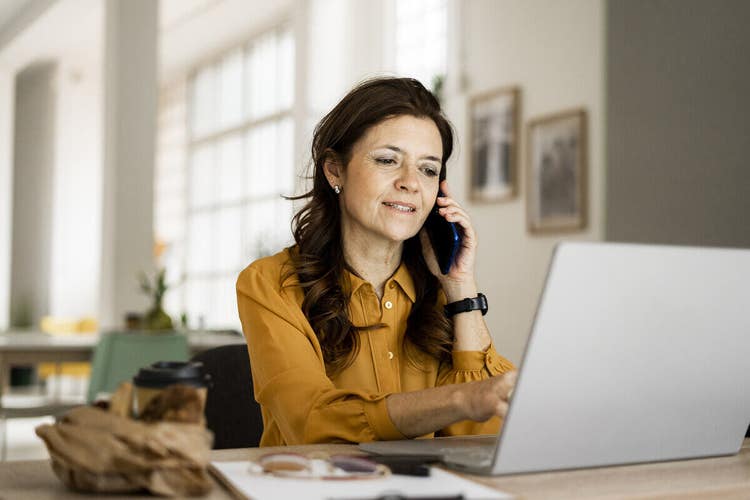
[(721, 477), (30, 348)]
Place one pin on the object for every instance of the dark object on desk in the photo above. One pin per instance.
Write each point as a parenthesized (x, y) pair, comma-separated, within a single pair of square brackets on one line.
[(407, 465), (747, 434), (231, 410)]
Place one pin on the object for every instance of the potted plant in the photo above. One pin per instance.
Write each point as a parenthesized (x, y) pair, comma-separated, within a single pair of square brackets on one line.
[(155, 318)]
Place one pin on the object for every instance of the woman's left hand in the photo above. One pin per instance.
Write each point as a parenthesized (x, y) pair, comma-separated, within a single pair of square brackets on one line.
[(460, 279)]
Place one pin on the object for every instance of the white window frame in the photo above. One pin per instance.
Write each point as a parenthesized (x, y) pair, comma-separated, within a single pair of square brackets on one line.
[(214, 276)]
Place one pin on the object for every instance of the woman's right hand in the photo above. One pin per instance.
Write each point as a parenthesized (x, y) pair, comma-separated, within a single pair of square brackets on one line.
[(421, 412), (487, 398)]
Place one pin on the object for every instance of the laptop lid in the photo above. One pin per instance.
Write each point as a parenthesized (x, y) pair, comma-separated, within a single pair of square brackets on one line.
[(638, 353)]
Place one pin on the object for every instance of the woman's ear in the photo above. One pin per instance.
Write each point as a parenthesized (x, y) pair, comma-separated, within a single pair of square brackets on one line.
[(333, 170)]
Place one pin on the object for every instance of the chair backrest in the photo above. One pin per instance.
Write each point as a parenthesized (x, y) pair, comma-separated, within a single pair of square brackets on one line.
[(231, 410), (118, 357)]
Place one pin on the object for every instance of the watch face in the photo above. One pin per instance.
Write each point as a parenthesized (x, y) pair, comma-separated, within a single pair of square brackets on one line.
[(482, 303)]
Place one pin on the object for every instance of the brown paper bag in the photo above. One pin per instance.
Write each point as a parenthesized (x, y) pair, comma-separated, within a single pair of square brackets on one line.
[(97, 451)]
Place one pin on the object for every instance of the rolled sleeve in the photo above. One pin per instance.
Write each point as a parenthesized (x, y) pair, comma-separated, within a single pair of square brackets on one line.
[(380, 421), (467, 366)]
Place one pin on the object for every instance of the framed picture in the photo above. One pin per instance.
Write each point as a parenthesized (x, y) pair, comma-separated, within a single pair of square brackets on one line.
[(557, 170), (493, 135)]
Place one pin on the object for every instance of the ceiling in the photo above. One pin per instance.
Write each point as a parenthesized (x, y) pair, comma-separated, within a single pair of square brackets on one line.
[(9, 9), (190, 30)]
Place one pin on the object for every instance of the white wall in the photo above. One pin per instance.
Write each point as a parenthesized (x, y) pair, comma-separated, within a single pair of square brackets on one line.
[(76, 212), (7, 99), (554, 52), (129, 123), (33, 169), (44, 33), (345, 46)]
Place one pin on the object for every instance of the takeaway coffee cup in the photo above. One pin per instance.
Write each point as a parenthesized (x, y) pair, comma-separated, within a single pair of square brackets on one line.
[(151, 380)]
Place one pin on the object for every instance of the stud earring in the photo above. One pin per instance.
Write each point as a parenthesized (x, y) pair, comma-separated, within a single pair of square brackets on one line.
[(337, 189)]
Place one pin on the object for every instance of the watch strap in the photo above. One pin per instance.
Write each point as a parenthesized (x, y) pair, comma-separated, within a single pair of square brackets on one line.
[(478, 303)]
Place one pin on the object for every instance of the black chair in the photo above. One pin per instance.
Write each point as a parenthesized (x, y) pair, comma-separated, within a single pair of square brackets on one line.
[(231, 410)]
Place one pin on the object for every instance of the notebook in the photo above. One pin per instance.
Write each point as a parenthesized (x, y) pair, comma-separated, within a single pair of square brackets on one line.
[(638, 353)]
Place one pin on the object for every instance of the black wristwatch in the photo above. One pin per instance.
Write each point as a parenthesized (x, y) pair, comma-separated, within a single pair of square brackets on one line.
[(478, 303)]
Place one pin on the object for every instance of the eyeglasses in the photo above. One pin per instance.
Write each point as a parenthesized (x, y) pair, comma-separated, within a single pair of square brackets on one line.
[(317, 466)]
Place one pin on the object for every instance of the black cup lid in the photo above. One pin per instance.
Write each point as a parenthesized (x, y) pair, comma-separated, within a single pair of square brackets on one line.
[(164, 373)]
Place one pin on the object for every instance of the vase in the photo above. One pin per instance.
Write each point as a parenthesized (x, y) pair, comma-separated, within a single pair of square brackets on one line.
[(157, 319)]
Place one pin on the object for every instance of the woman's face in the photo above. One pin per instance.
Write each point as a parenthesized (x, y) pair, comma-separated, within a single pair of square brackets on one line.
[(391, 181)]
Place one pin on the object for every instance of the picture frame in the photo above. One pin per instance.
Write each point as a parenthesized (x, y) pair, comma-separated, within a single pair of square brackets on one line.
[(557, 170), (494, 131)]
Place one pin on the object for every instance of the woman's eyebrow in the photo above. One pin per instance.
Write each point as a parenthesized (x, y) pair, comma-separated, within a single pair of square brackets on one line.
[(399, 150)]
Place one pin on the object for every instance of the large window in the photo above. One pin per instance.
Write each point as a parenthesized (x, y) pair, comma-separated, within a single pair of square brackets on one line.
[(239, 161), (421, 34)]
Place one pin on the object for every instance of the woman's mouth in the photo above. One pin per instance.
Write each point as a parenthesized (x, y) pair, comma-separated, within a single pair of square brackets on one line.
[(401, 207)]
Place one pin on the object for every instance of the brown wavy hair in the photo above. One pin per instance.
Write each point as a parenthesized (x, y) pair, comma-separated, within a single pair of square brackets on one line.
[(318, 259)]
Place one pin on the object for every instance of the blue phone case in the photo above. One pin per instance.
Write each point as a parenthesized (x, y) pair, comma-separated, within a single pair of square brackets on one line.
[(445, 239)]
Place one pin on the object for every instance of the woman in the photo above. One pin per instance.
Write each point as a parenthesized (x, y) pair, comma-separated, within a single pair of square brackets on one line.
[(347, 333)]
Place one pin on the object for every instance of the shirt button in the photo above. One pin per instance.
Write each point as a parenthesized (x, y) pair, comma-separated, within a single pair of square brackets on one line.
[(392, 285), (390, 355), (388, 304)]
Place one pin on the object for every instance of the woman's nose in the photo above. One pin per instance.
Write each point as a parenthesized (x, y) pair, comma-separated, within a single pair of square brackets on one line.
[(408, 180)]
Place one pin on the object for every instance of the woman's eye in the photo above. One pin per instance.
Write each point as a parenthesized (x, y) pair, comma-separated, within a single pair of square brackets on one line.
[(430, 171), (386, 161)]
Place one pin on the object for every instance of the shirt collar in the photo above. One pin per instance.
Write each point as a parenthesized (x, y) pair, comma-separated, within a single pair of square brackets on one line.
[(402, 277), (405, 281)]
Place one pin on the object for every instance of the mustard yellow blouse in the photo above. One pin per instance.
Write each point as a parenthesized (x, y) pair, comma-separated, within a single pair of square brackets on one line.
[(299, 402)]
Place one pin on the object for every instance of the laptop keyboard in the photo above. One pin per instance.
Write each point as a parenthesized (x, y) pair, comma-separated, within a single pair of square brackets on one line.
[(467, 451), (470, 455)]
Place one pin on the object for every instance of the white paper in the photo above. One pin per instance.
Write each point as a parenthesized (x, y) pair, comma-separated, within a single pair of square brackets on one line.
[(439, 483)]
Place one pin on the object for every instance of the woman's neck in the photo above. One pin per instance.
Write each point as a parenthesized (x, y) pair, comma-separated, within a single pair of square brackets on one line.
[(374, 263)]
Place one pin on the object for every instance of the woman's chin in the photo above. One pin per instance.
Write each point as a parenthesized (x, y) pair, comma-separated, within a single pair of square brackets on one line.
[(402, 236)]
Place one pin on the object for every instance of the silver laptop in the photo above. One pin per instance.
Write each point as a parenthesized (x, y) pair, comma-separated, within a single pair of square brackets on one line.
[(638, 353)]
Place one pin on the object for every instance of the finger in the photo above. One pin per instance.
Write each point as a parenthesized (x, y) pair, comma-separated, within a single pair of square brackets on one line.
[(460, 217), (455, 211), (467, 231), (446, 201)]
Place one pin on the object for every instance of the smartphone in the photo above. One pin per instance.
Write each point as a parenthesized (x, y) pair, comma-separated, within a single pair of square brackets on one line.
[(444, 237)]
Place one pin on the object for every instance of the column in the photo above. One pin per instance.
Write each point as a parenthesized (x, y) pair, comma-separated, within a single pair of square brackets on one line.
[(130, 106)]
